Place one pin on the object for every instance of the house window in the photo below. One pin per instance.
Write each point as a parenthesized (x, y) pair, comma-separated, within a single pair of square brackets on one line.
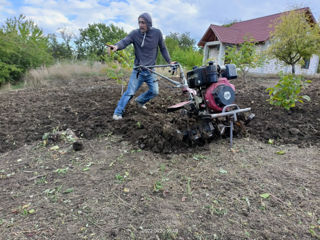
[(306, 63)]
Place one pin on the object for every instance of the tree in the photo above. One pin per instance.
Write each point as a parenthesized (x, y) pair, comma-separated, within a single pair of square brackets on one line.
[(182, 40), (295, 37), (92, 40), (9, 70), (66, 37), (171, 43), (188, 57), (59, 50), (22, 46), (244, 56), (181, 48)]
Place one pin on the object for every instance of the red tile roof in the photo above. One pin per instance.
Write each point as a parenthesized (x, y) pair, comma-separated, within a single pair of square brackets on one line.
[(259, 29)]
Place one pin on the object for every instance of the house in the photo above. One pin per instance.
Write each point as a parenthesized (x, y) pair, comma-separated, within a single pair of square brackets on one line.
[(217, 38)]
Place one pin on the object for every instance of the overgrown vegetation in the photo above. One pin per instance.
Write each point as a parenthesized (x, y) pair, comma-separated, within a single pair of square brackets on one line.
[(22, 46), (182, 49)]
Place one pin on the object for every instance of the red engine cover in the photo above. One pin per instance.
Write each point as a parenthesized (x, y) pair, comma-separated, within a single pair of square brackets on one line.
[(209, 96)]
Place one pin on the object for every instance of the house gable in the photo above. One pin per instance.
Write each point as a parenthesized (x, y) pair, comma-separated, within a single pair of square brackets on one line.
[(259, 29), (217, 38)]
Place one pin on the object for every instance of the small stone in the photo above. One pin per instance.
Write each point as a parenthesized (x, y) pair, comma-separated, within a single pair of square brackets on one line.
[(294, 131)]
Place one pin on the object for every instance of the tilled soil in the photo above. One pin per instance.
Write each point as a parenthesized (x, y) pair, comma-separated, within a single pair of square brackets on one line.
[(111, 189), (87, 108), (300, 125)]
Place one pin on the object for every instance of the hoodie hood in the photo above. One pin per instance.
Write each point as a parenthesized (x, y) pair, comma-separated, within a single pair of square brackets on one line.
[(147, 18)]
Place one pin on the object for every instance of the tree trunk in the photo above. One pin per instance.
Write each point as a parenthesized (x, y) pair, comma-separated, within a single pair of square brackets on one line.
[(293, 69)]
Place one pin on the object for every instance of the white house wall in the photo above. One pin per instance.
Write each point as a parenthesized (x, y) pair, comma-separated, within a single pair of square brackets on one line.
[(274, 66), (216, 51)]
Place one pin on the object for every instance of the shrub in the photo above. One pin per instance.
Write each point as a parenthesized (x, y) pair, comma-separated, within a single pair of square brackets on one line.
[(22, 47), (124, 57), (287, 92), (245, 56), (187, 57), (8, 73)]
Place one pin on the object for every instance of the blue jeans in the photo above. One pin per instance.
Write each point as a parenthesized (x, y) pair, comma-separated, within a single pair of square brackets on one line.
[(133, 86)]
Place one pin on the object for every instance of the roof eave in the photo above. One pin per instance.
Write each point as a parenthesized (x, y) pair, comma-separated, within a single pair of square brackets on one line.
[(202, 41)]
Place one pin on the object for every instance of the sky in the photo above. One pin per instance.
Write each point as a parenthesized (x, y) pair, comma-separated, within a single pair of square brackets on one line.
[(170, 16)]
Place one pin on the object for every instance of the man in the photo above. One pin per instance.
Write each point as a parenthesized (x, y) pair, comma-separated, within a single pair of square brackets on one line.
[(146, 41)]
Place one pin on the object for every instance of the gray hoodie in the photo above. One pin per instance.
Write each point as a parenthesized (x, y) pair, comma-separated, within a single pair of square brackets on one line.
[(145, 44)]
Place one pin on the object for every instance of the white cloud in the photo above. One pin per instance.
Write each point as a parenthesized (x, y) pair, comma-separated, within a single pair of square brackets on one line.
[(5, 10), (180, 16), (45, 17), (34, 2), (78, 4)]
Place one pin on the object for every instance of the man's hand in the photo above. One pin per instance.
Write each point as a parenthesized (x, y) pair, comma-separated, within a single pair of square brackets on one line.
[(173, 67), (113, 48)]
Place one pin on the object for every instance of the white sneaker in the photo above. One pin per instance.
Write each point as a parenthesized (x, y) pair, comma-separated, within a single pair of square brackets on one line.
[(117, 117), (141, 106)]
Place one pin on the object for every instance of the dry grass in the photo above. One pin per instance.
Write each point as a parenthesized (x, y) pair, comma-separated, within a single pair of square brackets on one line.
[(62, 73)]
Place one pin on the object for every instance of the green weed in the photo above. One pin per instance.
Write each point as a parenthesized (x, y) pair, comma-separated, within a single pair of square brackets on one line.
[(42, 180), (189, 191), (198, 157), (121, 178), (158, 186), (62, 170)]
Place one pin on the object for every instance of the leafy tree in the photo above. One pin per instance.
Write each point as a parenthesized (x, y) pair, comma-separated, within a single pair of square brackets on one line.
[(22, 46), (66, 37), (62, 49), (181, 48), (8, 54), (59, 50), (182, 40), (92, 40), (185, 41), (171, 44), (295, 37), (25, 29), (187, 57), (244, 56)]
